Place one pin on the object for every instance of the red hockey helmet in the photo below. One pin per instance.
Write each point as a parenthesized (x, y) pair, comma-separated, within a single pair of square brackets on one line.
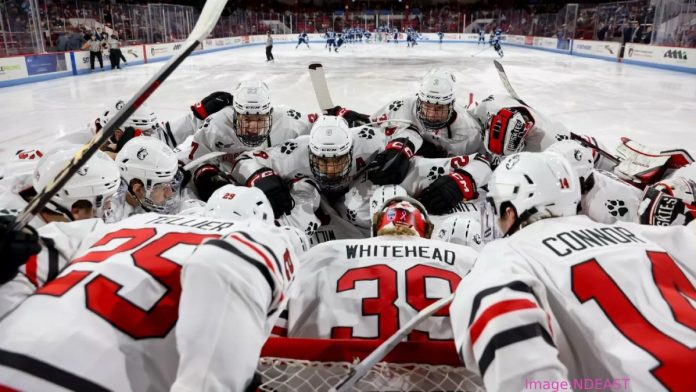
[(507, 131), (402, 215)]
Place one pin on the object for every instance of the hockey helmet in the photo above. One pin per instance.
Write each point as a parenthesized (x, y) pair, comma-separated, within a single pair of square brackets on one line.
[(580, 157), (253, 114), (460, 229), (237, 203), (507, 132), (331, 152), (435, 102)]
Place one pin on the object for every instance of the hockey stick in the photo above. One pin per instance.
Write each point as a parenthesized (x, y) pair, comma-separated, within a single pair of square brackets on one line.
[(206, 22), (506, 82), (385, 348), (321, 89)]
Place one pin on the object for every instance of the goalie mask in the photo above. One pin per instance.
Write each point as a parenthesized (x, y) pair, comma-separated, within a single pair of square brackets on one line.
[(152, 164), (506, 132), (435, 103), (96, 182), (402, 215), (253, 114), (331, 152)]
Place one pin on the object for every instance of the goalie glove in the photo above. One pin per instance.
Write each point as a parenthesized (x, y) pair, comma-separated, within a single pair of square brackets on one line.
[(353, 118), (207, 179), (277, 192), (661, 209), (211, 104), (445, 192), (391, 165), (17, 246)]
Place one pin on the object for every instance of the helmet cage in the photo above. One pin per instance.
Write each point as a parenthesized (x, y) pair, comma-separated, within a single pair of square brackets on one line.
[(441, 114), (252, 129), (331, 173)]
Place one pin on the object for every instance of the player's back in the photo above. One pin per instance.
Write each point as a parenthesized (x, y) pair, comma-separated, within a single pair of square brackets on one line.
[(368, 289), (108, 318), (619, 293)]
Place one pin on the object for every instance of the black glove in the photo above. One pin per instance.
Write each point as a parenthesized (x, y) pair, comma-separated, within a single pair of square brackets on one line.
[(353, 118), (445, 192), (391, 165), (277, 192), (128, 134), (211, 104), (207, 179), (16, 247), (430, 150), (661, 209)]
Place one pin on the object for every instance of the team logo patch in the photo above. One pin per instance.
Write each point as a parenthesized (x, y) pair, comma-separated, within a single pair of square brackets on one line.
[(396, 105), (83, 170), (120, 105), (391, 214), (366, 133), (441, 234), (616, 207), (311, 228), (351, 215), (477, 239), (288, 147), (142, 154), (435, 172), (294, 114), (578, 155)]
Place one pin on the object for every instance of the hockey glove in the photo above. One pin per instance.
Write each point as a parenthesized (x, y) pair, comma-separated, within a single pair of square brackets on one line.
[(128, 134), (277, 192), (353, 118), (445, 192), (661, 209), (391, 165), (17, 246), (207, 179), (211, 104)]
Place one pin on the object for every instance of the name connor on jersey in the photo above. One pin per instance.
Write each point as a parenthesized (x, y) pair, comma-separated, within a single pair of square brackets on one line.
[(565, 243), (406, 251)]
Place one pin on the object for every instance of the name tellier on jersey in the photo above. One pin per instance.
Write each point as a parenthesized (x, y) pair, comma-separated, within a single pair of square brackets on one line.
[(197, 223), (422, 251)]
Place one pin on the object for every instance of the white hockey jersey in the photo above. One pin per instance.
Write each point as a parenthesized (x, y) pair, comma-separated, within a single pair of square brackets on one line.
[(216, 133), (141, 298), (569, 299), (368, 289), (461, 137), (611, 199)]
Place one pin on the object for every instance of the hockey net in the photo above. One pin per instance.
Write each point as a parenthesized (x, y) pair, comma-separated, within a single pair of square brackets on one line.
[(289, 364)]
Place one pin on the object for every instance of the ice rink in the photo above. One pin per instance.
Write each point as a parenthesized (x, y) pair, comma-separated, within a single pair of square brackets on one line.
[(600, 98)]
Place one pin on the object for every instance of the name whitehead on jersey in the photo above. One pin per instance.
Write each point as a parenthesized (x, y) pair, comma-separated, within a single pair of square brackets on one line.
[(423, 251), (565, 243)]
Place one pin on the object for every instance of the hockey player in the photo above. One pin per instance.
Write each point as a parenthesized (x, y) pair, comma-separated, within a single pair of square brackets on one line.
[(250, 123), (302, 38), (332, 155), (495, 43), (481, 37), (444, 128), (405, 269), (186, 126), (339, 41), (141, 304), (569, 299), (330, 36), (440, 36), (151, 180), (87, 195), (606, 198)]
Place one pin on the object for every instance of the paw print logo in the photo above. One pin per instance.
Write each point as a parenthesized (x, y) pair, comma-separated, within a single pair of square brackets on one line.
[(311, 228), (435, 172), (9, 211), (561, 137), (288, 147), (294, 114), (366, 133), (396, 105), (616, 207), (351, 215)]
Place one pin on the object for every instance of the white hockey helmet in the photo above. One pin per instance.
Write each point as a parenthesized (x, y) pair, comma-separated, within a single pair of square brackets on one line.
[(298, 238), (536, 184), (101, 121), (237, 203), (253, 114), (580, 157), (402, 215), (153, 163), (507, 131), (381, 195), (96, 181), (331, 152), (680, 187), (144, 120), (459, 229), (435, 104)]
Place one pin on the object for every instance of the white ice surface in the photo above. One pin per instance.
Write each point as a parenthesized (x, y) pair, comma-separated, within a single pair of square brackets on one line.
[(600, 98)]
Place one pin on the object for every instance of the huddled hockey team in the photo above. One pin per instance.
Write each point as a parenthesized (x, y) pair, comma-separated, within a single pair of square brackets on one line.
[(167, 261)]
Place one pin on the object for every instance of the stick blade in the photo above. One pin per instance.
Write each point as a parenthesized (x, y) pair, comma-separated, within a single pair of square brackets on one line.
[(321, 88)]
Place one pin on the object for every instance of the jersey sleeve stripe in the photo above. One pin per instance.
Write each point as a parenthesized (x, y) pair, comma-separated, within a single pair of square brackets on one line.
[(269, 250), (508, 337), (515, 285), (48, 372), (494, 311), (256, 250), (53, 266), (30, 270), (222, 244)]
